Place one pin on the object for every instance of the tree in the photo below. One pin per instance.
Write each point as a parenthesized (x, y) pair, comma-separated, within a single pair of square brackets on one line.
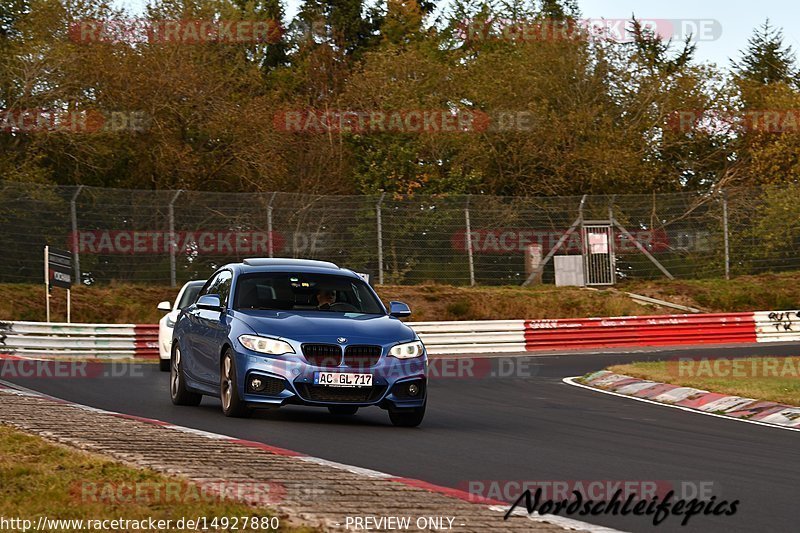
[(344, 25), (766, 78), (276, 53), (767, 60), (403, 21), (560, 9), (653, 52)]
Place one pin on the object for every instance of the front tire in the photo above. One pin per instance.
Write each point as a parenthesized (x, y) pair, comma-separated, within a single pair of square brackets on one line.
[(232, 404), (164, 365), (177, 383), (407, 418)]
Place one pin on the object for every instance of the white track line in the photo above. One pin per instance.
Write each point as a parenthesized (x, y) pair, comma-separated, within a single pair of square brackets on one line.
[(571, 381)]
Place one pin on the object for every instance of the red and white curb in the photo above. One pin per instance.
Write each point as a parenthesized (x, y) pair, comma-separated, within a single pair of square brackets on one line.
[(749, 410), (494, 505)]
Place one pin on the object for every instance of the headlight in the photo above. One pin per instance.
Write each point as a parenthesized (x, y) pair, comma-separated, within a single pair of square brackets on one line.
[(265, 345), (408, 350)]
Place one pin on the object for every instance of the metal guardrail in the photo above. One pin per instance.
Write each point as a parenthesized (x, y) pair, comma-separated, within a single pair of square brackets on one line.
[(640, 331), (777, 326), (445, 338), (476, 337), (79, 340)]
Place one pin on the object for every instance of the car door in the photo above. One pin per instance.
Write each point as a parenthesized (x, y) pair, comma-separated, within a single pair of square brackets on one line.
[(194, 334), (212, 330)]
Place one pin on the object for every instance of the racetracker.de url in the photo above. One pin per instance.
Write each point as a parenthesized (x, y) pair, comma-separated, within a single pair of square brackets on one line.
[(200, 523)]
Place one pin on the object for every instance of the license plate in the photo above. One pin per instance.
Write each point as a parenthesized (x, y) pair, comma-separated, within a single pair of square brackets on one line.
[(342, 379)]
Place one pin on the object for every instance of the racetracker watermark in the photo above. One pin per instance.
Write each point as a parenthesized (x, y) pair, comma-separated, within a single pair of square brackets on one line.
[(432, 121), (482, 368), (594, 489), (161, 242), (739, 368), (439, 368), (29, 368), (178, 492), (775, 121), (176, 31), (518, 240), (617, 30), (91, 121)]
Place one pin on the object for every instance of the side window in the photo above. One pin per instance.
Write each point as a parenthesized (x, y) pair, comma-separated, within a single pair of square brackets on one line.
[(210, 286), (223, 286)]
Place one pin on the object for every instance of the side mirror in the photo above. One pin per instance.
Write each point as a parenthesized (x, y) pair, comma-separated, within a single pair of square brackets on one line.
[(210, 302), (165, 306), (399, 309)]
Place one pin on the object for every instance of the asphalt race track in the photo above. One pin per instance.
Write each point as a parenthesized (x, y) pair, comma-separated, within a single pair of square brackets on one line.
[(516, 428)]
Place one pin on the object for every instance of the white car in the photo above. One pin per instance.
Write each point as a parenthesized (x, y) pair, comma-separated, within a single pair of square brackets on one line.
[(186, 297)]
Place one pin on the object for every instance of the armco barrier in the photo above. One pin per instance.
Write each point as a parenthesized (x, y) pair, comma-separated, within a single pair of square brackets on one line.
[(443, 338), (79, 340), (777, 326), (640, 331), (479, 337)]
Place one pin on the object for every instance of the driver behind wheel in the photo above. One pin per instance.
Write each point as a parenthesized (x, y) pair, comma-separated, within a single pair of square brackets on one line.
[(325, 298)]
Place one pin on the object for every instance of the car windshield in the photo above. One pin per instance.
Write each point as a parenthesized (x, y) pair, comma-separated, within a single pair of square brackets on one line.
[(302, 291), (189, 295)]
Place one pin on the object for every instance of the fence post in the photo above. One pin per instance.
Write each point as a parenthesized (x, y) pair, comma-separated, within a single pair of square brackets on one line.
[(725, 235), (469, 243), (76, 254), (612, 246), (380, 238), (269, 224), (172, 244)]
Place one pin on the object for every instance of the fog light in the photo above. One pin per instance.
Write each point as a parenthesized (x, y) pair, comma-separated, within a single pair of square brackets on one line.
[(256, 385), (413, 390)]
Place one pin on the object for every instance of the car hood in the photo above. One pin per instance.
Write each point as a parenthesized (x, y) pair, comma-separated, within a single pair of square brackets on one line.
[(311, 326)]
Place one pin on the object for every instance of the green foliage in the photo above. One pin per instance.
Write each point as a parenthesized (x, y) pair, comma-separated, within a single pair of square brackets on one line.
[(561, 116), (767, 59)]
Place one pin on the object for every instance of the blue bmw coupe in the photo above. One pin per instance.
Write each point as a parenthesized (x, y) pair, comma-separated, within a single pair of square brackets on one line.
[(270, 332)]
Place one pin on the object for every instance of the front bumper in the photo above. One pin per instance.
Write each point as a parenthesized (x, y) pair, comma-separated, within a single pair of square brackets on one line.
[(290, 380)]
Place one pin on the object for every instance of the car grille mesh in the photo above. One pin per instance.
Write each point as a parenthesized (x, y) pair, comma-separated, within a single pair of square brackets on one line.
[(357, 356), (317, 393), (325, 355)]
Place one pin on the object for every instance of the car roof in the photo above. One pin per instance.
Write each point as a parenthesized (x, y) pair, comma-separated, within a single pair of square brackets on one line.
[(283, 261), (283, 264)]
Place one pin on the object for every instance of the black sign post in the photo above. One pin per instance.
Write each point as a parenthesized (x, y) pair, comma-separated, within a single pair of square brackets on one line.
[(58, 273)]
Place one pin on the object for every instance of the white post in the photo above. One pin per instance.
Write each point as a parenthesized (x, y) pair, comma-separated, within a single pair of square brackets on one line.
[(469, 244), (725, 235), (172, 244), (380, 238), (47, 279), (76, 254), (69, 305), (269, 224)]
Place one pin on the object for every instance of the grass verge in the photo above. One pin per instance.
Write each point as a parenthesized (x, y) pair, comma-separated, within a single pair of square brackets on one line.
[(38, 478), (127, 303), (132, 303), (775, 379)]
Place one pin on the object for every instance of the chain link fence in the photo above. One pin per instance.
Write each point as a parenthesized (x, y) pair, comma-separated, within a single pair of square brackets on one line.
[(173, 236)]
